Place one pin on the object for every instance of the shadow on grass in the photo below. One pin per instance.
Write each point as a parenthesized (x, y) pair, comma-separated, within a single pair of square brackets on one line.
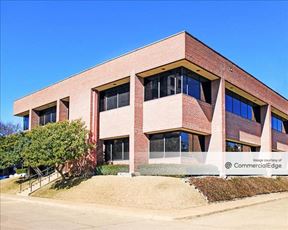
[(69, 183)]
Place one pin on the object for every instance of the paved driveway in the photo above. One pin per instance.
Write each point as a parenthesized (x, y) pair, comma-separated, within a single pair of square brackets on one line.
[(18, 214)]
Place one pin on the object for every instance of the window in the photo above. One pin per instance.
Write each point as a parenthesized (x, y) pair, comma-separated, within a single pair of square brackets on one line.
[(26, 122), (241, 106), (115, 97), (117, 149), (172, 144), (278, 123), (180, 80), (157, 145), (228, 101), (47, 116), (237, 147)]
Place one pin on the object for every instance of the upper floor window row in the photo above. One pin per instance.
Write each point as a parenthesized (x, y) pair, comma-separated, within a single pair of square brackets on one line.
[(279, 124), (47, 116), (241, 106), (115, 97), (180, 80)]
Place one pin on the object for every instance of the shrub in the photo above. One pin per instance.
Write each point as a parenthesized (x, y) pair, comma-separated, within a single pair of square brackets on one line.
[(178, 170), (219, 189), (20, 171), (111, 169)]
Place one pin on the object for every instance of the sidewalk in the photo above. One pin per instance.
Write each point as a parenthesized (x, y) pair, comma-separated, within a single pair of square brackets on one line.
[(156, 214)]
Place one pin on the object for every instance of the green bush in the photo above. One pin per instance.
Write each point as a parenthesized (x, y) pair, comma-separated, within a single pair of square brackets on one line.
[(20, 171), (111, 169), (178, 170), (219, 189)]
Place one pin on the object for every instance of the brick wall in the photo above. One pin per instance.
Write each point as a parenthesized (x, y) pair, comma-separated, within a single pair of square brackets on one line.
[(241, 129)]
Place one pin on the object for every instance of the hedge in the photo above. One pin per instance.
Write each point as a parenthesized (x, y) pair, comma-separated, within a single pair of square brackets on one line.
[(111, 169), (219, 189)]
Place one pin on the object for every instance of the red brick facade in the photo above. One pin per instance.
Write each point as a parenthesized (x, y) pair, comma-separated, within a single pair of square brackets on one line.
[(175, 112)]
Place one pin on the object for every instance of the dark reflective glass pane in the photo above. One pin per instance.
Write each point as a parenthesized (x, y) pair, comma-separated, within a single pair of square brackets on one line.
[(102, 102), (25, 122), (244, 109), (274, 123), (184, 142), (249, 112), (228, 101), (126, 148), (279, 125), (151, 88), (171, 87), (163, 85), (108, 150), (172, 142), (236, 106), (111, 97), (124, 95), (117, 150)]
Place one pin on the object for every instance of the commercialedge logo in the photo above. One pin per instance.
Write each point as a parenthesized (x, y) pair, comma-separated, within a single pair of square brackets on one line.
[(229, 165)]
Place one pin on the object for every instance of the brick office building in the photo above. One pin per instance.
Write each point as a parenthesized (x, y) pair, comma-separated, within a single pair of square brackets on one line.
[(175, 95)]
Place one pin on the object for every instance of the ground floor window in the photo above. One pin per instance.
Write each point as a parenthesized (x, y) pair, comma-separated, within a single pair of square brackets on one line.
[(173, 143), (116, 149), (237, 147)]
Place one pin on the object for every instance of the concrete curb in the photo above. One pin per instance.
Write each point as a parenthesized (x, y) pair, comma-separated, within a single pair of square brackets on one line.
[(169, 215)]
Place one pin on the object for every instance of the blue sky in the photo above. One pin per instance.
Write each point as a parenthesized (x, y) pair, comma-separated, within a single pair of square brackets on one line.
[(44, 42)]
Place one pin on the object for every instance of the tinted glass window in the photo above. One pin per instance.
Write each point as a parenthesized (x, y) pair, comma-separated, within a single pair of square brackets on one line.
[(151, 88), (111, 97), (47, 116), (236, 106), (169, 145), (163, 85), (114, 98), (124, 95), (237, 147), (172, 142), (249, 112), (157, 146), (177, 81), (228, 101), (26, 122), (117, 149), (241, 106), (244, 109), (277, 123), (126, 148)]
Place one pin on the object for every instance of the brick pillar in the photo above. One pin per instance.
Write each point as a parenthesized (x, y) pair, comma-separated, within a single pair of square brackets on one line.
[(33, 119), (218, 136), (217, 142), (138, 141), (94, 125), (266, 134)]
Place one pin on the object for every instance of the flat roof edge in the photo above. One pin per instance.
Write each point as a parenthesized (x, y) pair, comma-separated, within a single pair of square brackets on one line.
[(102, 63), (235, 65)]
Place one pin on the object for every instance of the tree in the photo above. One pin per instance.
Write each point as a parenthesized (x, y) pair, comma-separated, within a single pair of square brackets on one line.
[(55, 144), (10, 150), (9, 128)]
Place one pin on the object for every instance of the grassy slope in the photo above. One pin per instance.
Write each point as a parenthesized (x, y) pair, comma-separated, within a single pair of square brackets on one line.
[(9, 186), (143, 192)]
